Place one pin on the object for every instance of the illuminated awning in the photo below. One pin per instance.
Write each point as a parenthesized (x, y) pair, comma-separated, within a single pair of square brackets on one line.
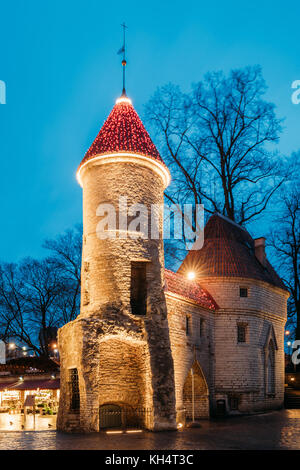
[(51, 384), (8, 385)]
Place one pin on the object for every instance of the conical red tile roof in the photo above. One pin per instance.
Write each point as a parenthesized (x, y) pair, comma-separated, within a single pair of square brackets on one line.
[(123, 131), (228, 251)]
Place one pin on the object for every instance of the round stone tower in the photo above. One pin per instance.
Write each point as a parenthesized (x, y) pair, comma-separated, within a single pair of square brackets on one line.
[(123, 180), (116, 354)]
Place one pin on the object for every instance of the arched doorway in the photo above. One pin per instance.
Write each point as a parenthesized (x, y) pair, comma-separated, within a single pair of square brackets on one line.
[(270, 349), (196, 394), (110, 416)]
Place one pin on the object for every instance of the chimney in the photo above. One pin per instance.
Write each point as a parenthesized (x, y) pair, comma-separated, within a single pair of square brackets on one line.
[(260, 250)]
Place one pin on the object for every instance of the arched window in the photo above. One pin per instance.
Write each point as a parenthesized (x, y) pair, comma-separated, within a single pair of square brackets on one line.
[(270, 375), (195, 394)]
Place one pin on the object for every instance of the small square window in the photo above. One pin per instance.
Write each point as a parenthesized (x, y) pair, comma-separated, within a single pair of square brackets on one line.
[(243, 292), (241, 334)]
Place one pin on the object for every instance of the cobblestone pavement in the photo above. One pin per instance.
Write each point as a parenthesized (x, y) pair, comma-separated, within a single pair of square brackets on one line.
[(276, 430)]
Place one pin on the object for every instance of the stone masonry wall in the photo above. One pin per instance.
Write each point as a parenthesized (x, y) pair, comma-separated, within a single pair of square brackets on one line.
[(240, 367), (185, 349)]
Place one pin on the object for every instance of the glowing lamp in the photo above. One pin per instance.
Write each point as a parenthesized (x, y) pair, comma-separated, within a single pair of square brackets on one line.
[(287, 332), (123, 99), (289, 343), (191, 275), (179, 425)]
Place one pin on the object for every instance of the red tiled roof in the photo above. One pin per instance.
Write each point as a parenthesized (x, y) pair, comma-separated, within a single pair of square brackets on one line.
[(123, 131), (228, 251), (178, 284)]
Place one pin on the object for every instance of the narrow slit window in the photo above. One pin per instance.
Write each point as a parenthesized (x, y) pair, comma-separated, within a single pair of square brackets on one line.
[(201, 328), (138, 292), (271, 369), (187, 325), (241, 334), (234, 403), (74, 390)]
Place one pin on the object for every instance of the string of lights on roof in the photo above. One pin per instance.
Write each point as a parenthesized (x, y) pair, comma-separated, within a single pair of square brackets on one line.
[(123, 131), (123, 99)]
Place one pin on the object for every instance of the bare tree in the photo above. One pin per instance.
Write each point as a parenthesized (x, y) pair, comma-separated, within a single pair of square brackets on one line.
[(28, 294), (36, 295), (66, 258), (217, 140), (285, 242)]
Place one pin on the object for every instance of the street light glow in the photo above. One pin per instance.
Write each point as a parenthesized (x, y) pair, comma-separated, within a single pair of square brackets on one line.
[(191, 275)]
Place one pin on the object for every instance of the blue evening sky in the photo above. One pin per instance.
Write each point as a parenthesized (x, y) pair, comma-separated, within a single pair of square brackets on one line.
[(59, 62)]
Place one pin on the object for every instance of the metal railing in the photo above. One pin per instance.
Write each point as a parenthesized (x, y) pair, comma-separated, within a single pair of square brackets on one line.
[(124, 418)]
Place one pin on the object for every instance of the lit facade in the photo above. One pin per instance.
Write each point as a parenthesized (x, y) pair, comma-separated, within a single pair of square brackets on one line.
[(155, 345)]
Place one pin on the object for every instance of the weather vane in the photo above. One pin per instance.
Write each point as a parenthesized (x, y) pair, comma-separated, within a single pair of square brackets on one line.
[(122, 51)]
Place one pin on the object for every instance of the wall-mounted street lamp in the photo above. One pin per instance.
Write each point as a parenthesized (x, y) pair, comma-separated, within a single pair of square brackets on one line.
[(191, 275)]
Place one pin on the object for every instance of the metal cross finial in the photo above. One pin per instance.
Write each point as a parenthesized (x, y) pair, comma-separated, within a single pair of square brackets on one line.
[(124, 32)]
